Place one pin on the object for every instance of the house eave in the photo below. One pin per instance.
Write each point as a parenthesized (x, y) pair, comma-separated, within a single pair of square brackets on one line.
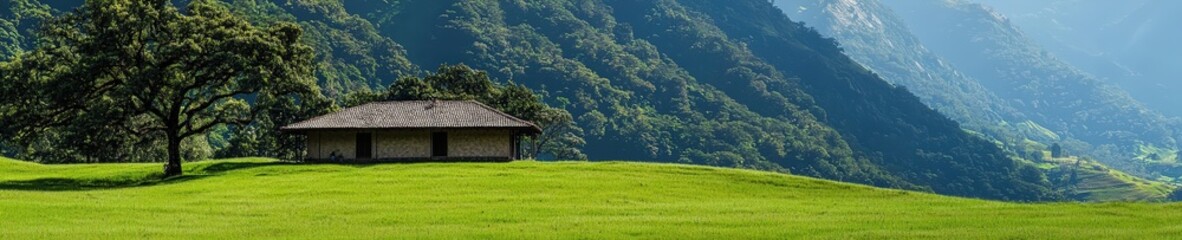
[(300, 131)]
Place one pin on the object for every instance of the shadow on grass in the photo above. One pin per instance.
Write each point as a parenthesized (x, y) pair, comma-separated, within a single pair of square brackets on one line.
[(116, 182), (198, 171), (222, 167), (69, 184)]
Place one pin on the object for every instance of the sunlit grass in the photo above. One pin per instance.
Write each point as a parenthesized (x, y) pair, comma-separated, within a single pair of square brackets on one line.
[(1096, 182), (256, 198)]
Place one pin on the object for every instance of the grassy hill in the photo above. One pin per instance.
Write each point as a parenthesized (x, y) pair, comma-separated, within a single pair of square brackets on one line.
[(260, 198), (1093, 181)]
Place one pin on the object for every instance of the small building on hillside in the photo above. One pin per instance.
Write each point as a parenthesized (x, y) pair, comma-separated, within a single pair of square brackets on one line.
[(398, 131)]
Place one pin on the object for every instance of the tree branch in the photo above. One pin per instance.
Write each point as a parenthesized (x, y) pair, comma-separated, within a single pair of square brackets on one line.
[(211, 124), (192, 112)]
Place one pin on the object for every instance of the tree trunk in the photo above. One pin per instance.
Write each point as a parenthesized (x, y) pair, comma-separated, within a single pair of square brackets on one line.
[(173, 167)]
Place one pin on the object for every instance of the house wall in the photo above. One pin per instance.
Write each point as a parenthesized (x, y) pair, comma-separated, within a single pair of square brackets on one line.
[(479, 143), (312, 146), (322, 144), (402, 144), (398, 144)]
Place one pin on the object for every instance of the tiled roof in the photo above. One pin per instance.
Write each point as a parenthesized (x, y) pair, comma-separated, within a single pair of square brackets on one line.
[(414, 114)]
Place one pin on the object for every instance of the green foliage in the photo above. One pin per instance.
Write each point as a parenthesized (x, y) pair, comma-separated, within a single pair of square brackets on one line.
[(114, 72), (558, 132), (350, 55), (259, 198), (17, 18), (262, 137)]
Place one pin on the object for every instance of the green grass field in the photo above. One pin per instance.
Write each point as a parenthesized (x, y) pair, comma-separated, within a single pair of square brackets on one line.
[(1097, 182), (259, 198)]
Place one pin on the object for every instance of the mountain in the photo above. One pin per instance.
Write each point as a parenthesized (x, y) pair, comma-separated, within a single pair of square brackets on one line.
[(723, 83), (1129, 43), (873, 36), (1109, 125)]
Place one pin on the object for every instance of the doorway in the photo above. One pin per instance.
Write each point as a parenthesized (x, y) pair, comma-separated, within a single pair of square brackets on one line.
[(364, 145), (439, 144)]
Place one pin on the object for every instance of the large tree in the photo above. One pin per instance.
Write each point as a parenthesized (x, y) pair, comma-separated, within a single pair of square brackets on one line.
[(148, 68)]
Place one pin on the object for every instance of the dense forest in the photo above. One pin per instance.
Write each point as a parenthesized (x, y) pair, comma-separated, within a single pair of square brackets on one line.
[(723, 83), (872, 35)]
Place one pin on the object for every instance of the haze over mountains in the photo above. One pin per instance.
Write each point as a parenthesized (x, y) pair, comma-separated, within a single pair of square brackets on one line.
[(738, 83), (1129, 43), (972, 64)]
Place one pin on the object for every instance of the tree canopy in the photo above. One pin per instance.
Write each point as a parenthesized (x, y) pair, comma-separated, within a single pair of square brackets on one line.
[(131, 71)]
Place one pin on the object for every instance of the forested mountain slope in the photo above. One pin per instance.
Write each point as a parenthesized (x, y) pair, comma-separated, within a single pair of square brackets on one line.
[(17, 20), (1109, 124), (351, 54), (872, 114), (725, 83), (1130, 43), (872, 34)]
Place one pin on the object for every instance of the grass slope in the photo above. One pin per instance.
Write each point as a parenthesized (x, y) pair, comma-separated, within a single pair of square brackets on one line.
[(258, 198), (1094, 181)]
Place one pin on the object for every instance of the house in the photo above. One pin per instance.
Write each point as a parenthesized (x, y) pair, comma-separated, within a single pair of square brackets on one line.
[(414, 131)]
